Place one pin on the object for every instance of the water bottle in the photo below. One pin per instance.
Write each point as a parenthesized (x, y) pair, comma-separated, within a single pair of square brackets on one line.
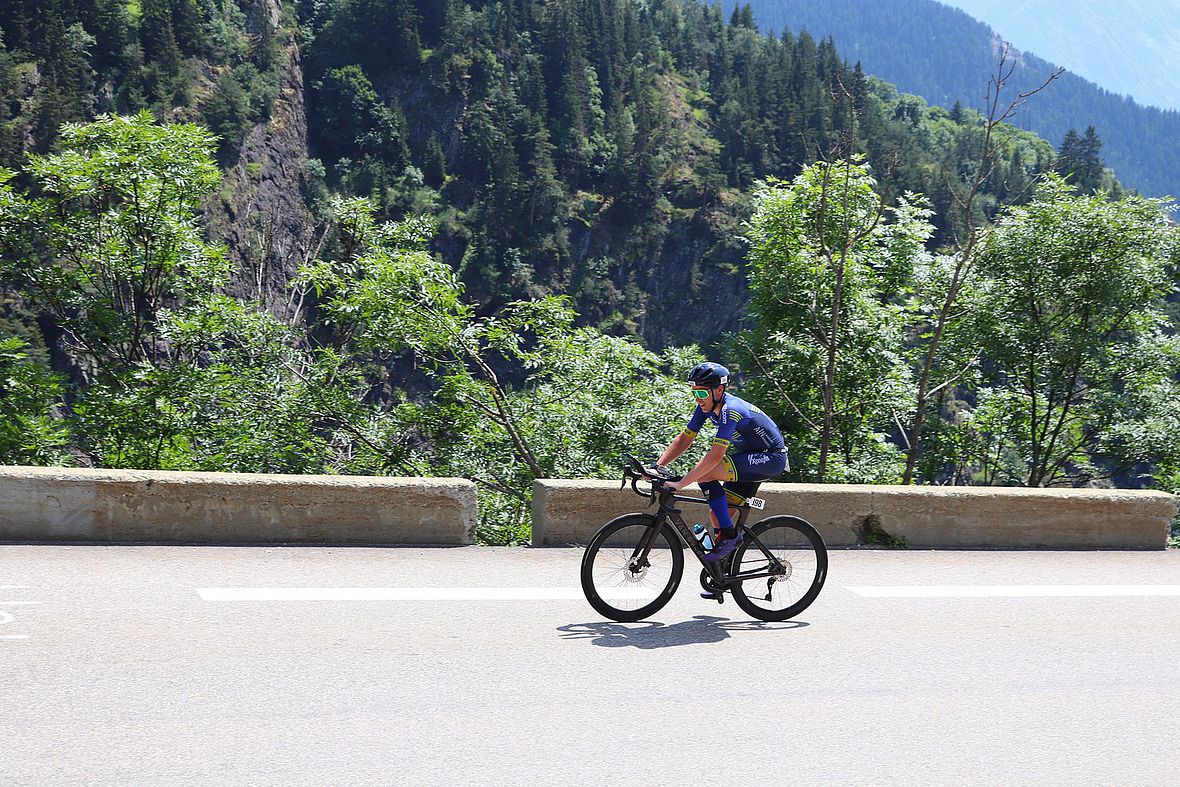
[(702, 535)]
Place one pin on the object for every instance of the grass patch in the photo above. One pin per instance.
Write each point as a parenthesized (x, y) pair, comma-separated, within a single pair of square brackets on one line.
[(871, 533)]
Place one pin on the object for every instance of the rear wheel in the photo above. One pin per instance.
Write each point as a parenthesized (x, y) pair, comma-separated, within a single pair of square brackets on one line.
[(620, 583), (797, 565)]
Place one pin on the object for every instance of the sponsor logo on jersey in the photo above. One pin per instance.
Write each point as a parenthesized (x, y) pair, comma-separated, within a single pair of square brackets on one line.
[(759, 459), (761, 432)]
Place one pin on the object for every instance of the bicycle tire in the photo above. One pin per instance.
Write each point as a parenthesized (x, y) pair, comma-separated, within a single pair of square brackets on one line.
[(595, 556), (803, 542)]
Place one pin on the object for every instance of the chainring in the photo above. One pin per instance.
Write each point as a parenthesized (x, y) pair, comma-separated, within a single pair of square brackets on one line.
[(708, 584)]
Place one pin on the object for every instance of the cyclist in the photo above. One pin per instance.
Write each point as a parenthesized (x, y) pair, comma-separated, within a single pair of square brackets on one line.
[(747, 450)]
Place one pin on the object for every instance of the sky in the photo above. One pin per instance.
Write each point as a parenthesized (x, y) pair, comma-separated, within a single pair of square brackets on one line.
[(1130, 47)]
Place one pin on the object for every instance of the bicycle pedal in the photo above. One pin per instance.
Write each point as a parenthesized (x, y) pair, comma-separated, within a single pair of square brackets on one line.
[(718, 597)]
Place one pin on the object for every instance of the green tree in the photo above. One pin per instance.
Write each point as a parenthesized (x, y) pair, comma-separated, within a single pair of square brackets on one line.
[(351, 121), (434, 169), (66, 93), (157, 37), (176, 376), (1078, 160), (1077, 348), (389, 295), (826, 337), (11, 123), (938, 305), (241, 392), (226, 113), (112, 233), (29, 432)]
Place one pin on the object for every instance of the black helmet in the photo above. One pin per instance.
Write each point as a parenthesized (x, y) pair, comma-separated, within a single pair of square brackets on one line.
[(709, 374)]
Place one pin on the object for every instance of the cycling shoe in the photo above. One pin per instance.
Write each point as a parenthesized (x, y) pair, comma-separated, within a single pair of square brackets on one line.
[(724, 548)]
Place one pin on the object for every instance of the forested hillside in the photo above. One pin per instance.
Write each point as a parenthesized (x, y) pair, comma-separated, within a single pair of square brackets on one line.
[(601, 148), (69, 60), (938, 52), (598, 149)]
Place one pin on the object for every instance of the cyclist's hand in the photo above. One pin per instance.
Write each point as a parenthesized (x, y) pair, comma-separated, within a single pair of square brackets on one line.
[(660, 470), (672, 485)]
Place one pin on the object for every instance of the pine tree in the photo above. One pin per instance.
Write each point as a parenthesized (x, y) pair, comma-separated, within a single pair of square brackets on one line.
[(186, 24), (265, 51), (66, 90), (407, 46), (434, 167), (1092, 167), (156, 36), (1069, 155), (743, 16), (11, 124), (565, 76), (1078, 160)]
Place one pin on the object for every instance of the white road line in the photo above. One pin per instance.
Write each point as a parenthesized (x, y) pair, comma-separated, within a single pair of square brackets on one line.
[(14, 587), (14, 636), (18, 603), (410, 594), (1011, 591)]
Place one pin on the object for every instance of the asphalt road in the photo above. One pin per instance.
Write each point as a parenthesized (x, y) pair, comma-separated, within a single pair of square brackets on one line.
[(118, 669)]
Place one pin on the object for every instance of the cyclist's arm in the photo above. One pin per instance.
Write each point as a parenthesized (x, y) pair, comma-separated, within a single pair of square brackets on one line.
[(685, 438), (716, 451), (677, 447), (710, 460)]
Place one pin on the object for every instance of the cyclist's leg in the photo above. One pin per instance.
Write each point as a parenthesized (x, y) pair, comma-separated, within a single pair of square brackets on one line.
[(748, 473), (757, 467), (712, 486), (738, 492)]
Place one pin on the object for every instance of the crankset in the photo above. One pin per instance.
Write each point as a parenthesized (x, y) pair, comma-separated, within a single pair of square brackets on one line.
[(715, 592), (710, 584)]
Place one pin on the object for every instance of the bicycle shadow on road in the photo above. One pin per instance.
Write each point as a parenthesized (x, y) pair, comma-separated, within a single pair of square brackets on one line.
[(702, 629)]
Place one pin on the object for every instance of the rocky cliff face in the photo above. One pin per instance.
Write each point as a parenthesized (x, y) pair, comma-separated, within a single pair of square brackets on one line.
[(261, 212), (683, 285)]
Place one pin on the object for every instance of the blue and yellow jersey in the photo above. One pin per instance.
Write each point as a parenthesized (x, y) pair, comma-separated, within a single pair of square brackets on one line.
[(740, 426)]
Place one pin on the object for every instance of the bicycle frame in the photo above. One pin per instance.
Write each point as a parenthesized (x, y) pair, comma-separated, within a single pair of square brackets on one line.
[(668, 512)]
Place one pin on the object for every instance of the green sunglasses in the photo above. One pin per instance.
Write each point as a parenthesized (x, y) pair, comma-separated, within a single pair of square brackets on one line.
[(702, 393)]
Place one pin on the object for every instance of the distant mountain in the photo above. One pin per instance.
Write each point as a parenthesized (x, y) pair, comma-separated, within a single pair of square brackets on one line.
[(1128, 46), (946, 56)]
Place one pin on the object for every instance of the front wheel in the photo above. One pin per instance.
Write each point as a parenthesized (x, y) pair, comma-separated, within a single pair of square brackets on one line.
[(621, 583), (789, 568)]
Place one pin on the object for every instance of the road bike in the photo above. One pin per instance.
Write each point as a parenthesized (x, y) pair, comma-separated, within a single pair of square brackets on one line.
[(634, 563)]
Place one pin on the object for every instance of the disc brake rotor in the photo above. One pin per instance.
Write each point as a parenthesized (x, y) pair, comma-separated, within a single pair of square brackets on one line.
[(787, 568), (633, 573)]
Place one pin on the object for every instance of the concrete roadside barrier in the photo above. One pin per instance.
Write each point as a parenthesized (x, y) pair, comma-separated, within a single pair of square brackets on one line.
[(569, 512), (150, 506)]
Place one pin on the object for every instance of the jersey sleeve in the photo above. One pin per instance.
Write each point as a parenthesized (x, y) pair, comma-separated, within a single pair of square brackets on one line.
[(725, 430), (696, 422)]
